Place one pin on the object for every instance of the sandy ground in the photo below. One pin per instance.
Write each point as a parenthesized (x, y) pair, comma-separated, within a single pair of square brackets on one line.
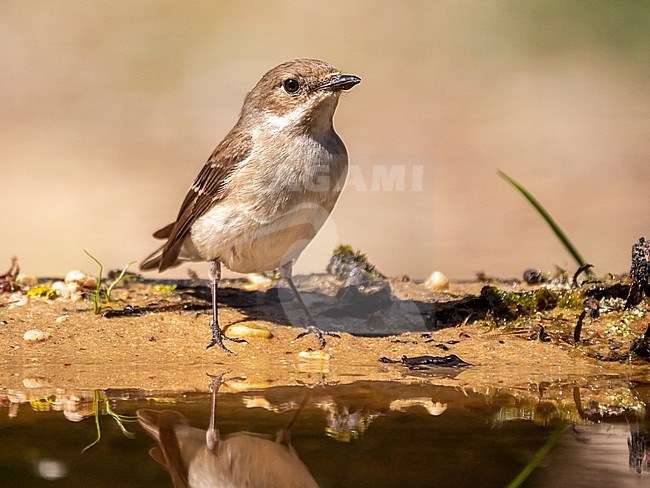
[(165, 350)]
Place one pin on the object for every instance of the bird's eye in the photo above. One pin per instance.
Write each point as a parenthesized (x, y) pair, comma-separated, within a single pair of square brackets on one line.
[(290, 85)]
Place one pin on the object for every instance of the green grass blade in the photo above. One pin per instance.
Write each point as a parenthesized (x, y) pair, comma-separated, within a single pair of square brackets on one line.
[(547, 217), (96, 415), (97, 297), (538, 457), (121, 276)]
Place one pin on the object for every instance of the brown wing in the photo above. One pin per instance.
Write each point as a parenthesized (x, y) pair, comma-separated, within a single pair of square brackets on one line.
[(165, 232), (208, 188), (162, 425)]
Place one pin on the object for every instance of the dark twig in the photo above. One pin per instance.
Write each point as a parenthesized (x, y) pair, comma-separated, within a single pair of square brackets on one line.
[(578, 330), (13, 271), (582, 269)]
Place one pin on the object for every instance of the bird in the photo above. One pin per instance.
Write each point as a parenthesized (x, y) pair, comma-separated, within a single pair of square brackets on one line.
[(268, 187), (199, 458)]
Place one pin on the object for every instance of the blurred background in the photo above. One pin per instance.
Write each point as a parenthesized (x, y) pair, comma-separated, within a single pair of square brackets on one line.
[(108, 110)]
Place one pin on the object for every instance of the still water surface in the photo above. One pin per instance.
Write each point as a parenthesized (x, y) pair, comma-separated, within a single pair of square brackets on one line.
[(363, 434)]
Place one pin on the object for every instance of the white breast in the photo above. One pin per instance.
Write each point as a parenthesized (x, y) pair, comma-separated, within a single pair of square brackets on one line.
[(278, 200)]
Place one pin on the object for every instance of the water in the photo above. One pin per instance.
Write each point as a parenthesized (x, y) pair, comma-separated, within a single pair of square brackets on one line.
[(361, 434)]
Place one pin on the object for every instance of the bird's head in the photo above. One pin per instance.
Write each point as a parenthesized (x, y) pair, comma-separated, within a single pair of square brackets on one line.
[(297, 95)]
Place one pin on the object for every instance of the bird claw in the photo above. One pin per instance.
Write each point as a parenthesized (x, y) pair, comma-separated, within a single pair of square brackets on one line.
[(216, 380), (312, 329), (218, 337)]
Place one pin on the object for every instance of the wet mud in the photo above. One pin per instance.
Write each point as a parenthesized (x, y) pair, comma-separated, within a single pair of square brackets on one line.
[(152, 335)]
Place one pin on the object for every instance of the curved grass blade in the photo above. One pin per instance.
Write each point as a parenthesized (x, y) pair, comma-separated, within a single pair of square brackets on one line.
[(123, 275), (97, 296), (96, 415), (549, 220), (538, 457)]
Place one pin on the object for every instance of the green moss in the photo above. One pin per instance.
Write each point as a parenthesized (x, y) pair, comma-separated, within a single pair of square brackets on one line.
[(571, 299), (42, 291), (510, 305), (345, 259), (164, 288), (620, 329)]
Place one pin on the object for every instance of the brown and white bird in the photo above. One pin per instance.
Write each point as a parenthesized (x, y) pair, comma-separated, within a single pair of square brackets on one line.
[(268, 187), (196, 458)]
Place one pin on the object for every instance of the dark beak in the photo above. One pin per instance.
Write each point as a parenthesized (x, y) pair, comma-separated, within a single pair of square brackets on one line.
[(340, 82)]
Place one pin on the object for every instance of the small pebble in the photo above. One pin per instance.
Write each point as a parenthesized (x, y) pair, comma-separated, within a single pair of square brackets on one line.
[(245, 385), (433, 408), (35, 382), (61, 319), (68, 290), (26, 280), (35, 336), (534, 276), (81, 279), (17, 300), (51, 469), (437, 281), (257, 402), (319, 354), (240, 330)]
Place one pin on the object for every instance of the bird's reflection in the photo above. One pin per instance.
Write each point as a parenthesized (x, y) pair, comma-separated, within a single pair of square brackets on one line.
[(199, 458)]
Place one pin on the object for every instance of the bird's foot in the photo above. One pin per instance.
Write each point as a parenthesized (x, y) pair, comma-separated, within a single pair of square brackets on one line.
[(312, 329), (216, 380), (218, 337)]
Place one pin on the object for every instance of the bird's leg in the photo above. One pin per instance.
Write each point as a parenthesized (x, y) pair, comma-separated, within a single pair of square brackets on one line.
[(212, 434), (217, 334), (284, 435), (312, 328)]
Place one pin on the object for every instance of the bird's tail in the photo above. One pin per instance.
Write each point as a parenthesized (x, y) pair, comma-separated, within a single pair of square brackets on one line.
[(173, 453), (153, 260), (160, 259)]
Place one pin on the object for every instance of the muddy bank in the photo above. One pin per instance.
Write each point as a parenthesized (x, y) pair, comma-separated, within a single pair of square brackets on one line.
[(524, 338)]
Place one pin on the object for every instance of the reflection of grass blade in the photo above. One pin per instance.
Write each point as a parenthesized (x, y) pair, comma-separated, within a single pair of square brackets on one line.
[(119, 418), (538, 457), (547, 217), (96, 414)]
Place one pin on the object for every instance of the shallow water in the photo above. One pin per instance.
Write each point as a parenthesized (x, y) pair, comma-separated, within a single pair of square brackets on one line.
[(363, 434)]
